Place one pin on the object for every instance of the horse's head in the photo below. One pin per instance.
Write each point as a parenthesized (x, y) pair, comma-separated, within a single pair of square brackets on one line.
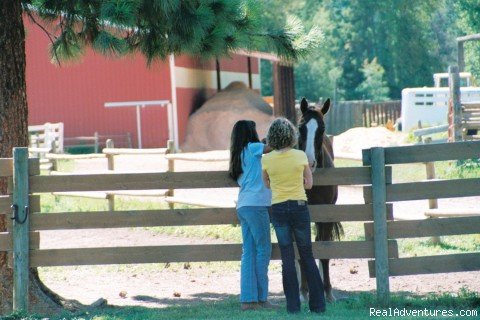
[(312, 131)]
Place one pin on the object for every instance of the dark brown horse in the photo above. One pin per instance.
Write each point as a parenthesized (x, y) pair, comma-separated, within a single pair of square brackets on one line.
[(319, 150)]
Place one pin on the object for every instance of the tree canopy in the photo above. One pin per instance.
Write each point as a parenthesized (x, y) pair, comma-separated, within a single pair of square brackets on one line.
[(158, 28), (410, 41)]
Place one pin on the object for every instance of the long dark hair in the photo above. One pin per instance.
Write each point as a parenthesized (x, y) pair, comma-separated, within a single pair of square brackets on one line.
[(243, 132)]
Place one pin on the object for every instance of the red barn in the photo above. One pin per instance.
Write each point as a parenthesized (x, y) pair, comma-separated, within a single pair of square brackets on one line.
[(76, 93)]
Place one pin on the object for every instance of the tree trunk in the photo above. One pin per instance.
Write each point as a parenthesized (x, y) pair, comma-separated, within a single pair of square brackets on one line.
[(14, 133)]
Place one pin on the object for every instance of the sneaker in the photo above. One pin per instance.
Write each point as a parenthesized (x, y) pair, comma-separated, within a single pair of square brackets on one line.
[(249, 306), (268, 305)]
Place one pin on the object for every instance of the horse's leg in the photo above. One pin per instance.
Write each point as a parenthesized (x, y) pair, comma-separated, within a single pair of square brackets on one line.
[(302, 280), (327, 286)]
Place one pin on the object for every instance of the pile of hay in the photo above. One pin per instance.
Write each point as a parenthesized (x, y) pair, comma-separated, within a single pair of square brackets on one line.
[(209, 128)]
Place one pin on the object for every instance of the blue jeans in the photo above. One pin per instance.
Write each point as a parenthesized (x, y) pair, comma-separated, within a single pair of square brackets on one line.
[(292, 219), (257, 249)]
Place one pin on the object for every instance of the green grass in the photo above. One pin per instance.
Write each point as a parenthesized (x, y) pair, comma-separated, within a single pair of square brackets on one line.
[(416, 171), (448, 245), (51, 203), (357, 306)]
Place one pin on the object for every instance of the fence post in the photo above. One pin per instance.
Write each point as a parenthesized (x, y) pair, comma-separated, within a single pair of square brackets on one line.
[(111, 167), (432, 203), (110, 157), (20, 229), (96, 142), (380, 224), (129, 140), (171, 168), (454, 102)]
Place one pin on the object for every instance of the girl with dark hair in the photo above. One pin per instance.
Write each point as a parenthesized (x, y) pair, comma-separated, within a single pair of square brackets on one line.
[(252, 209)]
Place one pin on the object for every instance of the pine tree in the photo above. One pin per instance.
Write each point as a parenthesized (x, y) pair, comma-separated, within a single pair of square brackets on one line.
[(206, 29)]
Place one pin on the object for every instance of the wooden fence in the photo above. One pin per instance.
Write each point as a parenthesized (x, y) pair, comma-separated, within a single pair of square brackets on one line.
[(471, 121), (349, 114), (99, 141), (380, 243), (382, 192), (38, 221)]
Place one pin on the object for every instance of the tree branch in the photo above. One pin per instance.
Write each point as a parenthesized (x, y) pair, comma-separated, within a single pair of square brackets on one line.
[(49, 35)]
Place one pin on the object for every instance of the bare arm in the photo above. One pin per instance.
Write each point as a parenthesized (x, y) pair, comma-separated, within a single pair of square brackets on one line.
[(266, 179), (267, 149), (307, 178)]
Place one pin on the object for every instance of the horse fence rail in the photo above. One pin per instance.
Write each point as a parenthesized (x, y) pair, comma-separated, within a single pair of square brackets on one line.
[(380, 241), (383, 231)]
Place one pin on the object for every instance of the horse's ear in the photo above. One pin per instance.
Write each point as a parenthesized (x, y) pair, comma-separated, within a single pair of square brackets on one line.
[(326, 106), (304, 105)]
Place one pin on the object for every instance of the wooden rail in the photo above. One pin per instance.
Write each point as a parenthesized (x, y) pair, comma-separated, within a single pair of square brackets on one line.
[(381, 235), (382, 267), (43, 135), (471, 120), (191, 253)]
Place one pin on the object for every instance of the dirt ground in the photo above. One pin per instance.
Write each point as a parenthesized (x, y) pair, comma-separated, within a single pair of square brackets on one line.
[(160, 285)]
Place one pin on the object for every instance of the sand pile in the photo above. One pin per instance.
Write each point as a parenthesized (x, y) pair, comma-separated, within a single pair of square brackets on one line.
[(350, 143), (210, 127)]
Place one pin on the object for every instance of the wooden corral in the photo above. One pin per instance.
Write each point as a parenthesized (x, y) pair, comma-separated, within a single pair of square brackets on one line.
[(110, 152), (48, 135), (99, 141), (380, 194), (379, 191), (178, 217), (44, 139), (463, 118), (471, 121)]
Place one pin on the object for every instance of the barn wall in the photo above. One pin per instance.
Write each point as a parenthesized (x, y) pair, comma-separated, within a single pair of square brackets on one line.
[(75, 93)]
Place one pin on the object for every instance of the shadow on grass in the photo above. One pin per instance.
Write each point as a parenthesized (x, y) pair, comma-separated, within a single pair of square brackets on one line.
[(207, 305), (199, 298)]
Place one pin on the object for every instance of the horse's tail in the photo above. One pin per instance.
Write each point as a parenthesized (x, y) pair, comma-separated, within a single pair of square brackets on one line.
[(329, 231)]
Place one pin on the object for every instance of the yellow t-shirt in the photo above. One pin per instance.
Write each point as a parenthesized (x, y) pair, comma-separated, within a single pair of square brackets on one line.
[(285, 170)]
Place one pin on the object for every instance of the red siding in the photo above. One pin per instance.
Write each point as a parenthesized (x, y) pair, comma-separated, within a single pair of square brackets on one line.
[(75, 93), (238, 64)]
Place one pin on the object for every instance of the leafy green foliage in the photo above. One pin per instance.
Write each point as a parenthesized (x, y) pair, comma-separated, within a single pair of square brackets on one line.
[(462, 169), (410, 40), (469, 23), (203, 28), (373, 87)]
